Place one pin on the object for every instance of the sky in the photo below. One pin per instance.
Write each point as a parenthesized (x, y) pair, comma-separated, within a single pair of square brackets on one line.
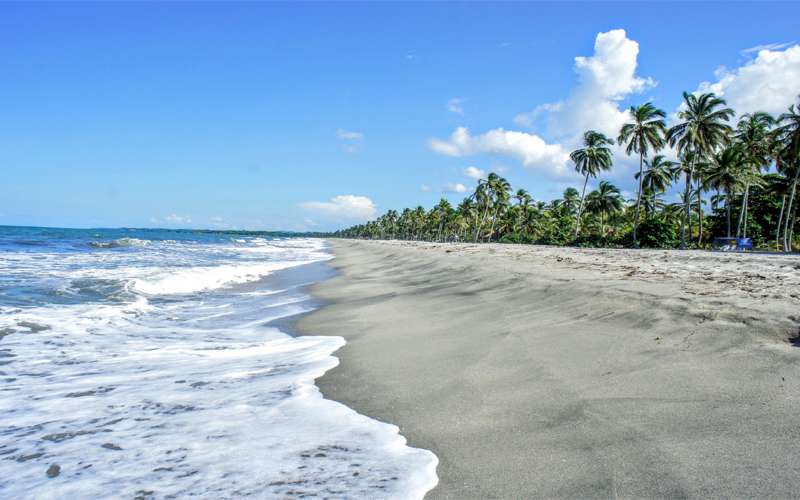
[(315, 116)]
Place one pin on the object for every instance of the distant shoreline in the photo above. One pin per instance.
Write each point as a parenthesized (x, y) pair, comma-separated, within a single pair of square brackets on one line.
[(563, 372)]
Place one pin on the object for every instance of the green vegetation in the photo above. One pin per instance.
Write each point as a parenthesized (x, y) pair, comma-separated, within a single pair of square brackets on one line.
[(729, 165)]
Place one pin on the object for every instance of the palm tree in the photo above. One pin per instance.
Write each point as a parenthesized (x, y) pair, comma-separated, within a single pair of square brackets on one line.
[(658, 175), (645, 131), (788, 135), (483, 201), (605, 200), (594, 157), (726, 173), (523, 201), (752, 133), (570, 201), (701, 132), (499, 188)]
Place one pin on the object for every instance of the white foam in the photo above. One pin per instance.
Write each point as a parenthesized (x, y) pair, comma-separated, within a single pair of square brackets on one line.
[(197, 279), (188, 397)]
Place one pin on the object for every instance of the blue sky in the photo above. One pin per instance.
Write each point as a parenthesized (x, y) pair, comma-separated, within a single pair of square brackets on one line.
[(313, 116)]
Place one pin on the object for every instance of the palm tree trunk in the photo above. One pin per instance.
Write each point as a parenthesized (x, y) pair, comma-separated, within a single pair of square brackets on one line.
[(780, 221), (494, 219), (580, 207), (603, 228), (638, 199), (741, 230), (480, 223), (699, 215), (686, 213), (786, 242), (728, 209)]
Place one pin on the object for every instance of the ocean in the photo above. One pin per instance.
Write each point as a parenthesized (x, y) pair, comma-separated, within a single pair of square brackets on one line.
[(156, 364)]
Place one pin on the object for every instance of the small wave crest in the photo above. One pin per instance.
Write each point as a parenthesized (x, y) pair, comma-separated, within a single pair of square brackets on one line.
[(120, 242), (199, 279)]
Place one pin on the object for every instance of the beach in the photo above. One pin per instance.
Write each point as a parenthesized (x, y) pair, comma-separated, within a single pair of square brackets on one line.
[(541, 372)]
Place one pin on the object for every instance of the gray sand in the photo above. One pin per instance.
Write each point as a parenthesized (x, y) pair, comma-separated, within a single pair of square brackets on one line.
[(548, 372)]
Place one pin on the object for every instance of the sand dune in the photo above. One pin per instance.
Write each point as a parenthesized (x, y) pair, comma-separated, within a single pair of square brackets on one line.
[(553, 372)]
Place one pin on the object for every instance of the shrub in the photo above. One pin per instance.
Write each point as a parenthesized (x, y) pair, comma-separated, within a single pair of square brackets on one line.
[(655, 232)]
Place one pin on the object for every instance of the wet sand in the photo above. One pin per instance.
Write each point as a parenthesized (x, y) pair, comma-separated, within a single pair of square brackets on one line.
[(541, 372)]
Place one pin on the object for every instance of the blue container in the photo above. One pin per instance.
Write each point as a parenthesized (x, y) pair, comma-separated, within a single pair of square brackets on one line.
[(744, 243)]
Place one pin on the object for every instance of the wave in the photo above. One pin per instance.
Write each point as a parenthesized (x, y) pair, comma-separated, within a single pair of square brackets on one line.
[(200, 279), (120, 242)]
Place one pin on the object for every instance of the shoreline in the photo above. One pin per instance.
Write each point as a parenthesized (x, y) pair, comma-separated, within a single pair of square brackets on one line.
[(553, 372)]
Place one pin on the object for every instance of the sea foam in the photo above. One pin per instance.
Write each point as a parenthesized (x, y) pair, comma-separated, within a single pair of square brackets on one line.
[(183, 389)]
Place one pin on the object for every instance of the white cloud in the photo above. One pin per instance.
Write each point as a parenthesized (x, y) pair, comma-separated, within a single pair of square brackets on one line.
[(455, 188), (604, 79), (766, 46), (349, 135), (346, 206), (172, 220), (424, 188), (454, 105), (474, 173), (528, 119), (530, 149), (770, 82)]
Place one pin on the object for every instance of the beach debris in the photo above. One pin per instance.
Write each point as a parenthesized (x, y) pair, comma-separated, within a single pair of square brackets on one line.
[(53, 471)]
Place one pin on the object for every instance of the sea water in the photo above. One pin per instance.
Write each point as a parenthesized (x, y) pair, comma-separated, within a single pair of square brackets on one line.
[(151, 364)]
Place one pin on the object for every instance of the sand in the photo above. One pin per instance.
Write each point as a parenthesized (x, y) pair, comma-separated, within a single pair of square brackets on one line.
[(541, 372)]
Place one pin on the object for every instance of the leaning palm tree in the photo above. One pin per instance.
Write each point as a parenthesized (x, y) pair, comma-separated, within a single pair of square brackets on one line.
[(606, 200), (645, 131), (788, 135), (594, 157), (752, 134), (726, 173), (701, 131)]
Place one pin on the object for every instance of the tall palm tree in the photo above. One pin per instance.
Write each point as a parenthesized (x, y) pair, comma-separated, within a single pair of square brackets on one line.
[(605, 200), (590, 160), (726, 173), (645, 131), (752, 133), (788, 135), (701, 131)]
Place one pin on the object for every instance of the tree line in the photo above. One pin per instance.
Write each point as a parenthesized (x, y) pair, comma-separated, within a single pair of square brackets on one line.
[(736, 180)]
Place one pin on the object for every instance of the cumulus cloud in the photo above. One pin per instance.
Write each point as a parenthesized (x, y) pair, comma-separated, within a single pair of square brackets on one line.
[(349, 135), (454, 105), (604, 79), (530, 149), (474, 173), (770, 82), (344, 206), (456, 187)]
